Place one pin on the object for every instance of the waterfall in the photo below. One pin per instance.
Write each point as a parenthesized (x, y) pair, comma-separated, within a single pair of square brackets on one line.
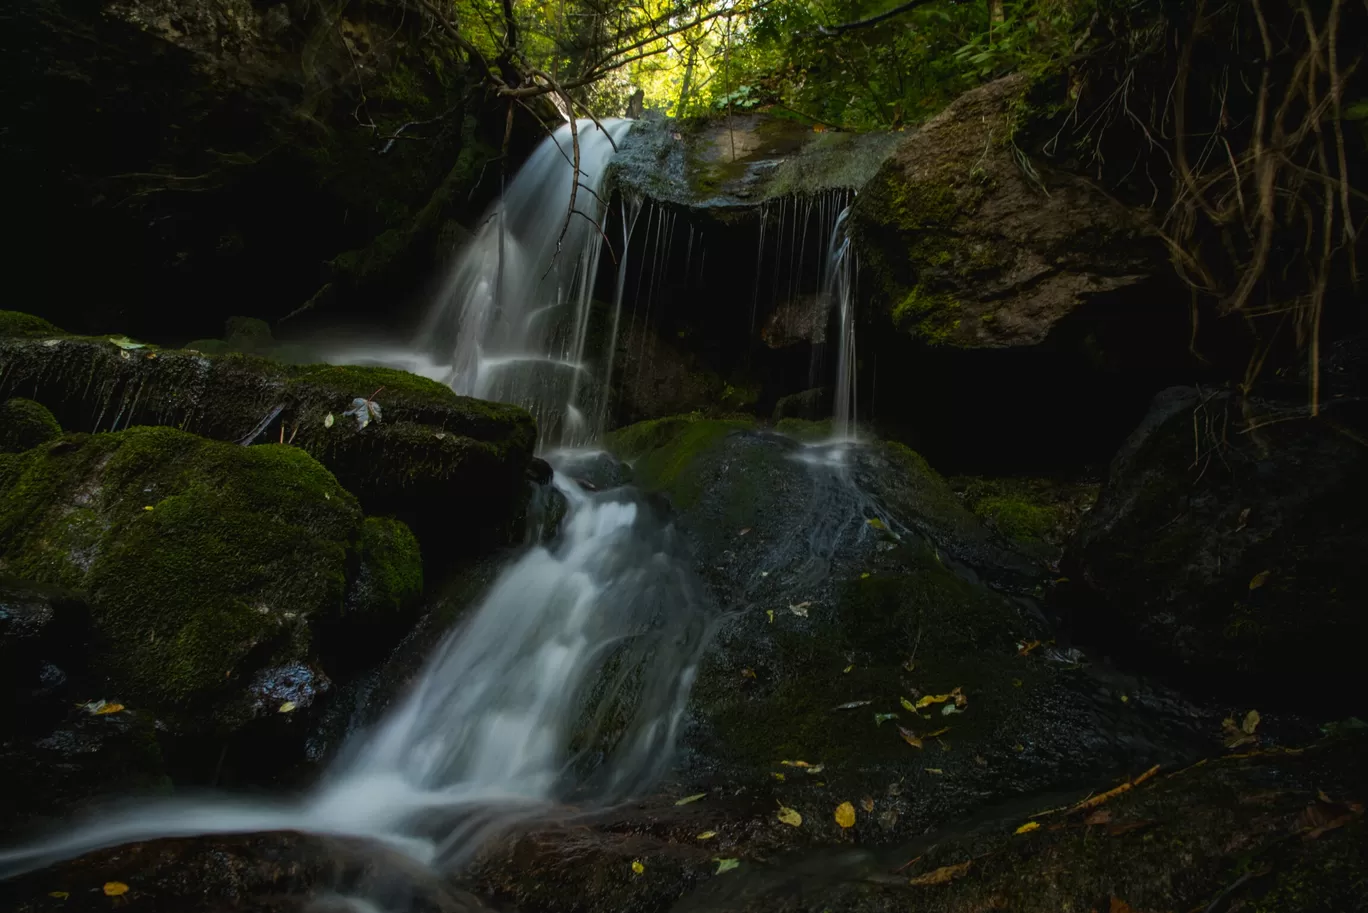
[(514, 319), (510, 716), (840, 294)]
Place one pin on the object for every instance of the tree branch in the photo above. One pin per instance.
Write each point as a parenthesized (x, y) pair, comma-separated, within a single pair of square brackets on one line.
[(872, 20)]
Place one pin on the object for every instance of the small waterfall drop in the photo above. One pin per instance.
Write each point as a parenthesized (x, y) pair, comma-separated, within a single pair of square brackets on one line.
[(840, 293)]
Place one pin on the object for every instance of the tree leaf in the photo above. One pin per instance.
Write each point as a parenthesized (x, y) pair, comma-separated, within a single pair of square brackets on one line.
[(286, 707), (845, 815), (329, 420), (867, 803), (909, 737), (115, 888), (60, 895), (1028, 827), (687, 799), (637, 867), (726, 865), (790, 817), (943, 875), (801, 609), (1259, 579), (706, 835), (880, 718), (1251, 722)]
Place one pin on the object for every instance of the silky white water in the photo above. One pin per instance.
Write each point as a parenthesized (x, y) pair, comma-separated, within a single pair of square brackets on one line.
[(508, 717)]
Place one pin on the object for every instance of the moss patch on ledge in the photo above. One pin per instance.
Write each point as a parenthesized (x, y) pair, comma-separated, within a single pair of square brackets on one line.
[(204, 561), (25, 424), (662, 450), (18, 324)]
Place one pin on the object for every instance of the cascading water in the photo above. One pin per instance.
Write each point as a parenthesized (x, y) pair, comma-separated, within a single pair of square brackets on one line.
[(507, 719), (840, 294), (512, 322)]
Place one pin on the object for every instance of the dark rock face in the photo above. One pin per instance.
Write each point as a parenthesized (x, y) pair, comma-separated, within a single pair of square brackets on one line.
[(25, 424), (205, 154), (1227, 547)]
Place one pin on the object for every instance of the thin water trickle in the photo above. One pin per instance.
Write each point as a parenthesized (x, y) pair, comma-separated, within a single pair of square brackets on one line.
[(607, 621), (840, 292)]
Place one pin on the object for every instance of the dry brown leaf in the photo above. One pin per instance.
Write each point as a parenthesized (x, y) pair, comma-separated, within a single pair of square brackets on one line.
[(1259, 579), (748, 673), (943, 875), (845, 815), (1101, 816), (109, 708), (909, 737), (1097, 800), (867, 804), (1118, 905), (1028, 647)]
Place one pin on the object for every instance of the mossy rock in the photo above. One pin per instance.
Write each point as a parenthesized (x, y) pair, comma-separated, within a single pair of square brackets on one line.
[(431, 456), (1038, 514), (206, 563), (17, 324), (971, 244), (1241, 571), (25, 424)]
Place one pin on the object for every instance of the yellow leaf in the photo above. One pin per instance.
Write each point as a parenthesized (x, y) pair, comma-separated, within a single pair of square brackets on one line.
[(1125, 698), (845, 815), (109, 708), (865, 575), (748, 673), (328, 420), (937, 733), (909, 737), (687, 799), (847, 669), (777, 776), (876, 523), (706, 835), (818, 128), (943, 875), (115, 888), (1251, 722), (934, 770), (790, 817), (1028, 827), (286, 707), (637, 867), (148, 507), (1028, 647), (60, 895), (867, 804), (795, 763), (1260, 579), (770, 613), (726, 865), (927, 700), (907, 705)]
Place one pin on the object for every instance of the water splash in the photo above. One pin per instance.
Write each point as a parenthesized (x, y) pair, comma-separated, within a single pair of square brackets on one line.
[(510, 715)]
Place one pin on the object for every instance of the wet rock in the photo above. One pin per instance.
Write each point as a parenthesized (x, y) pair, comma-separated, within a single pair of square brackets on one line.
[(810, 405), (1226, 547), (218, 576), (431, 454), (43, 633), (280, 873), (25, 424), (974, 250)]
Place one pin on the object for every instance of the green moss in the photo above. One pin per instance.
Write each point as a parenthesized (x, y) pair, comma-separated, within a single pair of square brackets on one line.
[(1017, 519), (391, 577), (25, 424), (208, 346), (1032, 511), (348, 382), (18, 324), (802, 429), (928, 315), (203, 559), (663, 451)]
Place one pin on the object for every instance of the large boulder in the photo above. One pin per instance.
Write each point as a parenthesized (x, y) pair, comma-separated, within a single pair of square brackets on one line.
[(25, 424), (425, 454), (975, 246), (1228, 545), (225, 583)]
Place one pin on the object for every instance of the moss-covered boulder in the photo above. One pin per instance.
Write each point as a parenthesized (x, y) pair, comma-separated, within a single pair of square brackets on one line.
[(1038, 514), (208, 565), (451, 466), (973, 244), (25, 424), (1227, 548)]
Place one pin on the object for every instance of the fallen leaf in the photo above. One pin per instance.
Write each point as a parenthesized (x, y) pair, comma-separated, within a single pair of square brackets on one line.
[(1101, 816), (881, 718), (853, 704), (934, 770), (770, 613), (1028, 827), (107, 708), (60, 895), (929, 699), (1251, 722), (950, 710), (115, 888), (748, 673), (1244, 518), (329, 420), (744, 531), (149, 507), (910, 737), (777, 776), (1018, 747), (795, 763), (876, 523), (1259, 579), (1027, 647), (1235, 734), (286, 707), (845, 815), (801, 609), (938, 733), (1097, 800), (907, 705), (867, 803), (847, 669), (790, 817), (943, 875), (706, 835), (980, 760), (124, 342), (1117, 905), (1125, 698), (687, 799), (726, 865), (889, 819), (637, 867)]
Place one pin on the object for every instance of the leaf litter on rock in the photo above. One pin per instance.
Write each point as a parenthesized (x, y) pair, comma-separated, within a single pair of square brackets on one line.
[(789, 816), (694, 798), (845, 815), (943, 875), (726, 865)]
